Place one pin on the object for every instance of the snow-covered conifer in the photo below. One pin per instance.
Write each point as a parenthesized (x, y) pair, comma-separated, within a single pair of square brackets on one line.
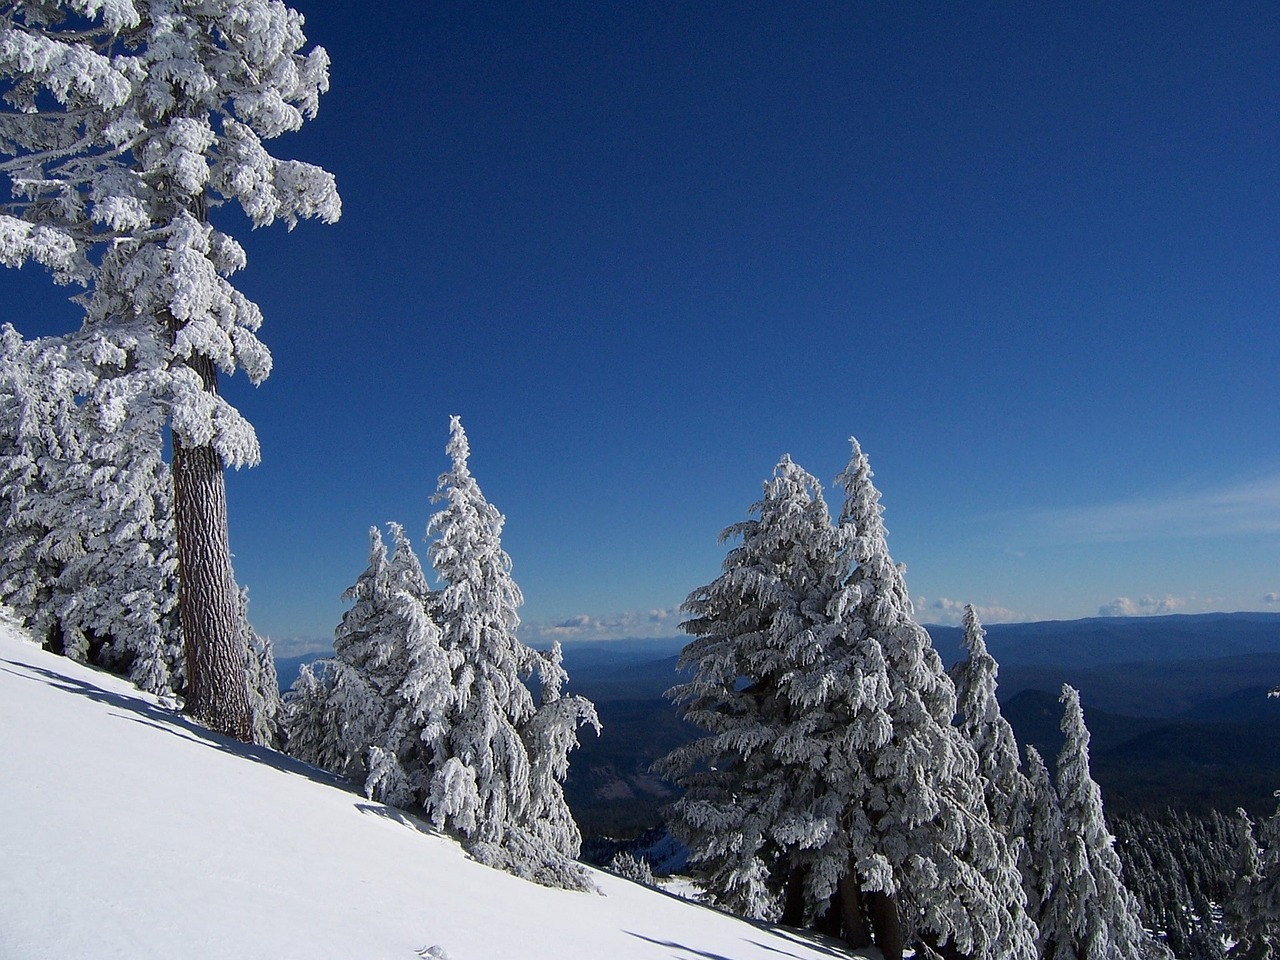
[(1252, 911), (1007, 789), (262, 680), (339, 709), (1042, 855), (931, 863), (487, 785), (550, 735), (630, 868), (87, 553), (779, 701), (404, 760), (1090, 914), (129, 122)]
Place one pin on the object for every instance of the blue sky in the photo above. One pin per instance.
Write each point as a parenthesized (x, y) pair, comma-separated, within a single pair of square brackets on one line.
[(1027, 254)]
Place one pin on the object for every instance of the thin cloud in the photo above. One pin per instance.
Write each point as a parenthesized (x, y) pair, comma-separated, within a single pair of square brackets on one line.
[(951, 612), (1272, 597), (1142, 607), (620, 626), (1244, 508)]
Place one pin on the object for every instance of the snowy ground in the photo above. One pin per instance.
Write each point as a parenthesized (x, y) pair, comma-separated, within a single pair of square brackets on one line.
[(125, 832)]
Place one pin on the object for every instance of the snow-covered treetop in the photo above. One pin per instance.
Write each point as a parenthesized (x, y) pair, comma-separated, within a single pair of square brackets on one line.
[(467, 553), (116, 110), (123, 122)]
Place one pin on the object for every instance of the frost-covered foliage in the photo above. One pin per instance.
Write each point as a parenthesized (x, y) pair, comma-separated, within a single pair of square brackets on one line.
[(425, 699), (832, 788), (782, 701), (265, 708), (1007, 789), (630, 868), (1252, 912), (340, 708), (502, 757), (1089, 913), (951, 871), (1182, 869), (126, 121), (124, 124), (1042, 854), (87, 553)]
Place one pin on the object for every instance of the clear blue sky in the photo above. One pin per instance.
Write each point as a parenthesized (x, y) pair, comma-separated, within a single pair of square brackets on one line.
[(1028, 253)]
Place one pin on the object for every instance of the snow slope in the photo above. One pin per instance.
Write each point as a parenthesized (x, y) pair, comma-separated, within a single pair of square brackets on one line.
[(126, 832)]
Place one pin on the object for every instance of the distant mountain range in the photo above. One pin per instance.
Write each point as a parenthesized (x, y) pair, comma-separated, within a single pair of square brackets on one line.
[(1176, 705)]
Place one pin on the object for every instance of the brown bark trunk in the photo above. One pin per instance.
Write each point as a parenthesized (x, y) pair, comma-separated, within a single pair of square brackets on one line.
[(853, 919), (209, 604), (885, 923)]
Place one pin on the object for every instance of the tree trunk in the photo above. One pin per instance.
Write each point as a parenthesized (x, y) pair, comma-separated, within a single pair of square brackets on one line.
[(209, 604), (853, 919), (885, 923)]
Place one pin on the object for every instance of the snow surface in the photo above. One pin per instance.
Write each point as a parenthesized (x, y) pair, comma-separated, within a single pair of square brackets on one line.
[(127, 832)]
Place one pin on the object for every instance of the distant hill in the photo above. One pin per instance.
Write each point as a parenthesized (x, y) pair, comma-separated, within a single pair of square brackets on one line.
[(1176, 707), (1103, 640), (1190, 727)]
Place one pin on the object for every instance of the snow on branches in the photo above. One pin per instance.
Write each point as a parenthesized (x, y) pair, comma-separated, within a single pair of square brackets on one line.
[(426, 696)]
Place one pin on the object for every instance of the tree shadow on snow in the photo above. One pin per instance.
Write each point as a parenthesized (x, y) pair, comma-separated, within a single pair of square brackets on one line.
[(137, 709), (812, 943), (402, 817)]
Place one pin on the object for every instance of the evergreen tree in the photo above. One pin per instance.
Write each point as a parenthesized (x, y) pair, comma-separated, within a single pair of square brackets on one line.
[(832, 787), (936, 869), (1042, 858), (486, 786), (339, 709), (87, 556), (1090, 914), (1252, 912), (403, 762), (785, 707), (130, 121), (1006, 788)]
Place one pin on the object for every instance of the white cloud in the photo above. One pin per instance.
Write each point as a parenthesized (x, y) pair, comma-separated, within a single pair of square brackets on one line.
[(618, 626), (300, 646), (1142, 607), (1271, 597), (950, 612), (1241, 508)]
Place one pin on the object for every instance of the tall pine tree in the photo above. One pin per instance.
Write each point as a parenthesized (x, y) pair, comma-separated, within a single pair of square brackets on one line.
[(782, 706), (129, 122), (487, 785), (935, 869), (1006, 788), (1090, 914)]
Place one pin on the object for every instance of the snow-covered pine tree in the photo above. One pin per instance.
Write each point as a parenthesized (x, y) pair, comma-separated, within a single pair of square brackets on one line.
[(758, 813), (930, 863), (1090, 914), (550, 735), (338, 709), (1042, 855), (403, 761), (128, 122), (485, 787), (1007, 789), (263, 682), (87, 556), (1252, 912)]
